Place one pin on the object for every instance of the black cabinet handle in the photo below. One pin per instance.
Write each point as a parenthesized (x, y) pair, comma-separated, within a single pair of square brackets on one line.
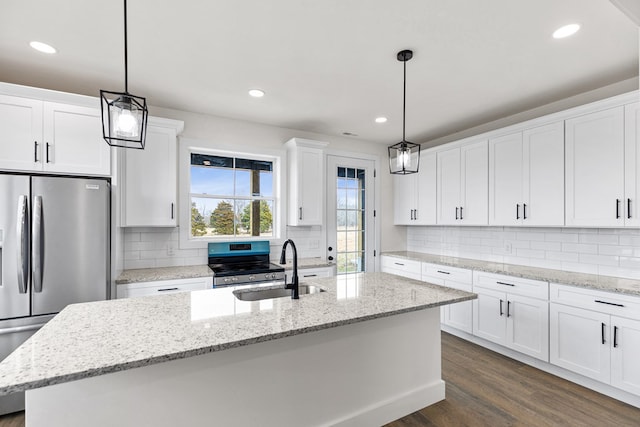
[(310, 275), (172, 211), (456, 212), (47, 154), (508, 307), (517, 211), (460, 212), (501, 313), (629, 208), (505, 284), (300, 215), (397, 263), (602, 332), (443, 272), (524, 211), (415, 214), (167, 289), (617, 208), (35, 151), (609, 303), (615, 336)]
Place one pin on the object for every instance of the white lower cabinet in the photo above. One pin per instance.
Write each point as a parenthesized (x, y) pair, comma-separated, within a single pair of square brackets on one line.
[(161, 287), (592, 338), (401, 267), (505, 313), (459, 315)]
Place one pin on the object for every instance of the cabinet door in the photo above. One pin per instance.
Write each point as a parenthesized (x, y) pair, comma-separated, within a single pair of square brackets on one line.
[(474, 193), (625, 354), (632, 165), (505, 180), (311, 180), (448, 181), (404, 194), (459, 316), (489, 316), (21, 136), (528, 326), (579, 341), (595, 169), (426, 190), (149, 186), (73, 141), (543, 171)]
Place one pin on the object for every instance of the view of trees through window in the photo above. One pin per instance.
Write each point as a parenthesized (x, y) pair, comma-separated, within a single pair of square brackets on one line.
[(231, 196)]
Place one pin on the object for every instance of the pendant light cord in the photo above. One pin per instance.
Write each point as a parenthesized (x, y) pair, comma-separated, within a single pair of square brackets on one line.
[(126, 79), (404, 96)]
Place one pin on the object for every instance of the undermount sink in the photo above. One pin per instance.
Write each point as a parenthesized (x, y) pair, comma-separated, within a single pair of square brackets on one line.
[(260, 294)]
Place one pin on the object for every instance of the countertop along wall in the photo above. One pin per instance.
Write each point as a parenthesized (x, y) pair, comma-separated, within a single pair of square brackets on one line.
[(151, 247)]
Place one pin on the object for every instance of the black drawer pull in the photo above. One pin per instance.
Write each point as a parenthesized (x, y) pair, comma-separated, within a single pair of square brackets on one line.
[(609, 303), (505, 284), (310, 275), (168, 289), (397, 263), (443, 272)]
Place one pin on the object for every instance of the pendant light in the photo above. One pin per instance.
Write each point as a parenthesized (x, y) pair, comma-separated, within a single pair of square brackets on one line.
[(124, 118), (404, 156)]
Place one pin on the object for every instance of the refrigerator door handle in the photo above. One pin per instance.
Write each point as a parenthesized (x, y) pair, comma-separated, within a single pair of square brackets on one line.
[(37, 255), (23, 245)]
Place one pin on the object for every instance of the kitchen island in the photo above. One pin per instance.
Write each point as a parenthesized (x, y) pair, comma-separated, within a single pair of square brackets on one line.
[(365, 352)]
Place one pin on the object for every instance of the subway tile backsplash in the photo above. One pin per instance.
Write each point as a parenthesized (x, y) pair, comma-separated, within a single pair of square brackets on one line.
[(610, 252)]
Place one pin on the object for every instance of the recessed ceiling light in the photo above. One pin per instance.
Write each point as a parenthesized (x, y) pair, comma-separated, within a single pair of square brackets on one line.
[(381, 119), (256, 93), (42, 47), (566, 31)]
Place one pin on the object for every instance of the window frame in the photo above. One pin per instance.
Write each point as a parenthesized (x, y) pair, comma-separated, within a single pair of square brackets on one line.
[(187, 147)]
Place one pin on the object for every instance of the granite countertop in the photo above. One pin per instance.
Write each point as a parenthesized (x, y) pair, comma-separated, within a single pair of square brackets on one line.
[(592, 281), (91, 339), (163, 273)]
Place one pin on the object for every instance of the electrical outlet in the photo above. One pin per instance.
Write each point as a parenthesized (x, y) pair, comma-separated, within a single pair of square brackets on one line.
[(508, 247), (171, 250)]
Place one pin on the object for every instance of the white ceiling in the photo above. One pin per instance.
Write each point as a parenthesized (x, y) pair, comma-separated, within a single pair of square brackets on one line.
[(327, 66)]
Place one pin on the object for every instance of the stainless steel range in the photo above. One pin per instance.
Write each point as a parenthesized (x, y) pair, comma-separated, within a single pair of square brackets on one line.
[(242, 263)]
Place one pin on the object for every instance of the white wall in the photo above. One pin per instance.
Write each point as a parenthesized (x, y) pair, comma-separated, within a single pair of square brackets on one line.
[(149, 247), (605, 251)]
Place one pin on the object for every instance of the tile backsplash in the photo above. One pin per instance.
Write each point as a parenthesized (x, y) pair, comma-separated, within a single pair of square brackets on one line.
[(610, 252), (159, 247)]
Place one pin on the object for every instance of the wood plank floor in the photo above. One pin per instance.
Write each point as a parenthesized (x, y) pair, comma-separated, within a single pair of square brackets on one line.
[(488, 389)]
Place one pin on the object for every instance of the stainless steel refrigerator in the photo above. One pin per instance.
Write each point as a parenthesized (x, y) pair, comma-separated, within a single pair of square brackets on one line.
[(54, 251)]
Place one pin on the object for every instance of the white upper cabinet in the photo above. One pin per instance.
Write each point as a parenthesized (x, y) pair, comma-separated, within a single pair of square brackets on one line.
[(21, 136), (41, 136), (306, 178), (632, 165), (149, 179), (526, 177), (595, 169), (73, 141), (415, 194), (462, 185)]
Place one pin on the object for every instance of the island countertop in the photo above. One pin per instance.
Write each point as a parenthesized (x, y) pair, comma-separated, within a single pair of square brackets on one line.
[(91, 339)]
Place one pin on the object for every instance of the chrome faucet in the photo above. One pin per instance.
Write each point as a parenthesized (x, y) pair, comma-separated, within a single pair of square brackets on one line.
[(294, 283)]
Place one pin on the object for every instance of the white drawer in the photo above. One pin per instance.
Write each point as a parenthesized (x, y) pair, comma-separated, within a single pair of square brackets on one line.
[(511, 285), (160, 287), (400, 264), (311, 273), (447, 273), (601, 301)]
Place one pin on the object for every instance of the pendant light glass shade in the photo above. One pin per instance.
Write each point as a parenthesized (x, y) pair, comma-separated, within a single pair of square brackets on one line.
[(124, 116), (404, 157)]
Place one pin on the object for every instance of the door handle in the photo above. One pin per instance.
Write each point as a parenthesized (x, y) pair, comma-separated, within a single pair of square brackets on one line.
[(602, 332), (23, 247), (47, 152), (501, 313), (35, 151), (300, 214), (615, 336), (172, 211), (460, 212), (330, 258), (508, 308), (517, 211), (628, 208), (524, 211), (456, 212), (617, 208), (37, 250)]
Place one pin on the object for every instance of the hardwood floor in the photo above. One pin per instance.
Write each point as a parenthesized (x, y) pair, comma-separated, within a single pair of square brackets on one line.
[(488, 389)]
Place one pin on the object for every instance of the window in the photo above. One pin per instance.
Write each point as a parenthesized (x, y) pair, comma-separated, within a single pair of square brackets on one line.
[(231, 196)]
